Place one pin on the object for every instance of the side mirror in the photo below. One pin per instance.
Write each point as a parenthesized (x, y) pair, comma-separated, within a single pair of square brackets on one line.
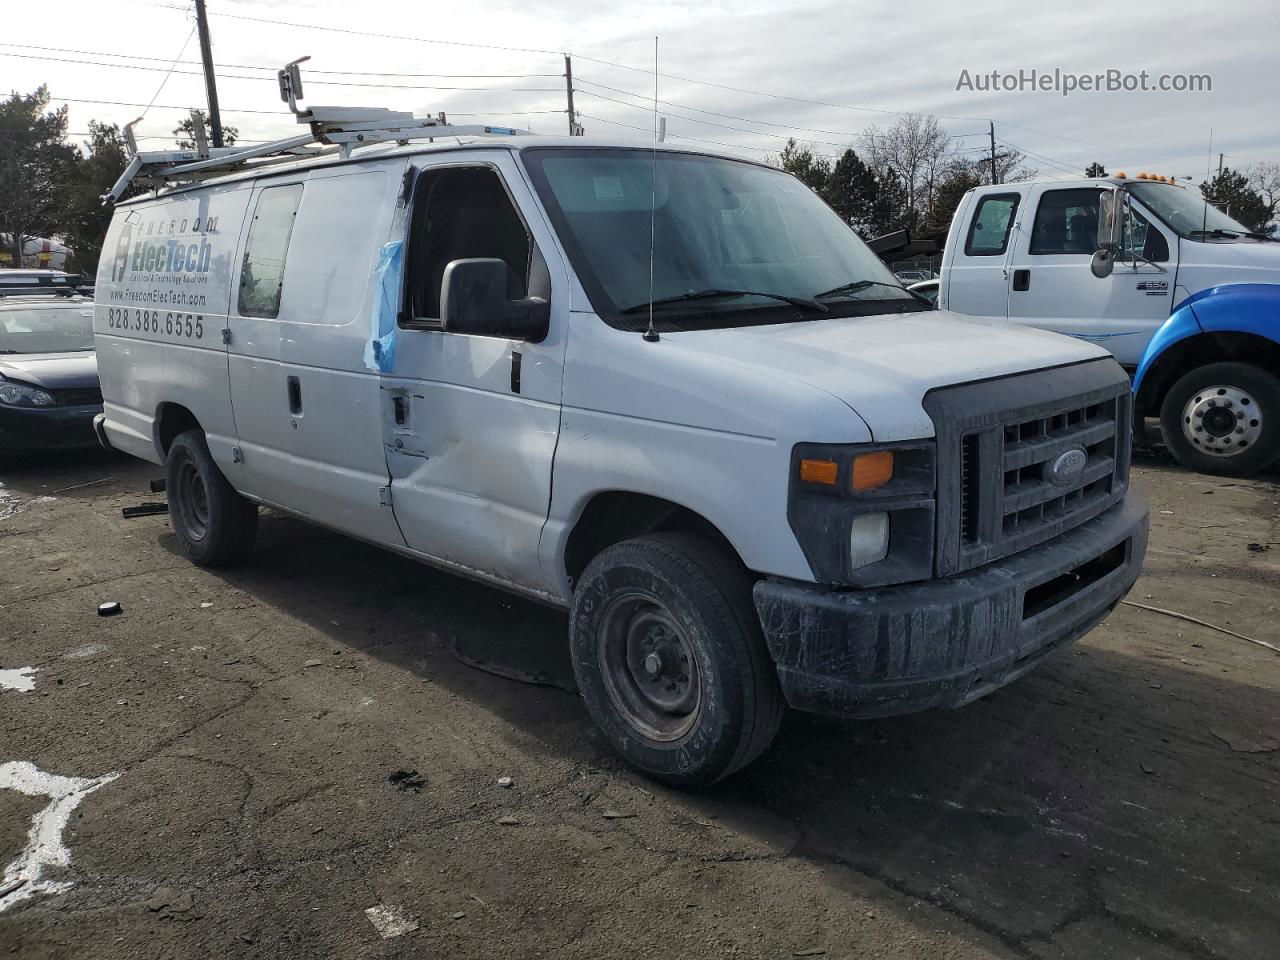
[(1110, 223), (1102, 264), (473, 299)]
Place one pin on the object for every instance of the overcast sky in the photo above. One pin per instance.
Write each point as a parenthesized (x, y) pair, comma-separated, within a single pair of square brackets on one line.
[(870, 56)]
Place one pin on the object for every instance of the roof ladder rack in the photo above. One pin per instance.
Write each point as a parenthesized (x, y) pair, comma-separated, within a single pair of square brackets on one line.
[(332, 130)]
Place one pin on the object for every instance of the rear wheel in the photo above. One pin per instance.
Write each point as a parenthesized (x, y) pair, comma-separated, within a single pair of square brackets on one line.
[(1223, 418), (670, 659), (214, 525)]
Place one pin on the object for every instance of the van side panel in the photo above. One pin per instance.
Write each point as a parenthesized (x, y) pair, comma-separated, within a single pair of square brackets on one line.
[(307, 409), (162, 295)]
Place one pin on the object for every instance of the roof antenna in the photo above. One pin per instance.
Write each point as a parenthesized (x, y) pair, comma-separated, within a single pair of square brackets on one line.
[(651, 335)]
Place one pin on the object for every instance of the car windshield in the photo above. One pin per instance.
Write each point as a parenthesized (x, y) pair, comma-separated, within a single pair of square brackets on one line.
[(729, 239), (1184, 211), (46, 329)]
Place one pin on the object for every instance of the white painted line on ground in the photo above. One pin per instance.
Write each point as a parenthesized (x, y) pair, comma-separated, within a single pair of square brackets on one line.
[(24, 877), (21, 679)]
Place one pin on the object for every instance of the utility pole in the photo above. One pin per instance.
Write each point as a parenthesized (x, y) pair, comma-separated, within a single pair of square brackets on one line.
[(992, 126), (574, 129), (1219, 165), (210, 84)]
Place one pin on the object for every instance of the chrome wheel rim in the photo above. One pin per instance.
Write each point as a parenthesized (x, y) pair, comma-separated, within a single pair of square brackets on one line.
[(648, 667), (193, 501), (1222, 421)]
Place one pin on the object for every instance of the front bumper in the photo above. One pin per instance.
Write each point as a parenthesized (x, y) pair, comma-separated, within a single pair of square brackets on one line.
[(35, 429), (943, 643)]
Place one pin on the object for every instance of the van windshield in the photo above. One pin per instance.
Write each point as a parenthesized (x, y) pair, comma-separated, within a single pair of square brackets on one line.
[(50, 329), (733, 242), (1184, 211)]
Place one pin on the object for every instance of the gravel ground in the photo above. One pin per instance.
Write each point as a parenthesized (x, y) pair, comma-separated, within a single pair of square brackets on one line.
[(296, 742)]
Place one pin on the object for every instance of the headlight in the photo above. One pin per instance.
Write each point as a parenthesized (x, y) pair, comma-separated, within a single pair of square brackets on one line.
[(21, 395), (863, 514)]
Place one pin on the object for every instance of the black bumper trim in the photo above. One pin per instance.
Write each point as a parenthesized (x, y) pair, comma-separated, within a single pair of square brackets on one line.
[(943, 642)]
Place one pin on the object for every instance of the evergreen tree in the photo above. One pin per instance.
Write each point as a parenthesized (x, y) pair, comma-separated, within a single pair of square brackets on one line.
[(34, 164), (1231, 193), (851, 191)]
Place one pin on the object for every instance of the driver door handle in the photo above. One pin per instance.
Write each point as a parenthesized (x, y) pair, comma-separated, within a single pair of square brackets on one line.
[(1021, 280)]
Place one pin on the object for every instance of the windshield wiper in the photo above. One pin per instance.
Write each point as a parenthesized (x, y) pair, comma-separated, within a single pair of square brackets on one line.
[(856, 285), (1219, 232), (716, 292)]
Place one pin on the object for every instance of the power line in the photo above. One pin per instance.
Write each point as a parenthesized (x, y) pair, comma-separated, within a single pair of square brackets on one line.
[(310, 71), (327, 83), (580, 56), (729, 116), (169, 73)]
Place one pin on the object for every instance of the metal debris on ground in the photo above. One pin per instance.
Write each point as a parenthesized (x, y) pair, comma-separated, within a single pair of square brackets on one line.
[(147, 509), (1204, 623), (506, 783), (616, 815), (110, 608)]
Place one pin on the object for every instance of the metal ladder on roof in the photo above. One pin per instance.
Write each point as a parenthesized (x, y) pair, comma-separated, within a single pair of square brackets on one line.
[(333, 130)]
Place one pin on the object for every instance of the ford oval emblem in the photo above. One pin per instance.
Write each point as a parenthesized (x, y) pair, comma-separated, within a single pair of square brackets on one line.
[(1067, 468)]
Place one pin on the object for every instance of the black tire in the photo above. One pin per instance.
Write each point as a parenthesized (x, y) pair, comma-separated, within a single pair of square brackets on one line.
[(214, 525), (1224, 419), (693, 600)]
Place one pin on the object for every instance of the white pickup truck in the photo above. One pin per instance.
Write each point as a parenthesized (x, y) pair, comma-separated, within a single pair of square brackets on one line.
[(1183, 296), (666, 390)]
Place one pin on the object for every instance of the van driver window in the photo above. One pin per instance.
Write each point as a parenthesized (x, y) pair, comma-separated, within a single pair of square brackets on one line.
[(1067, 223), (460, 213), (262, 276)]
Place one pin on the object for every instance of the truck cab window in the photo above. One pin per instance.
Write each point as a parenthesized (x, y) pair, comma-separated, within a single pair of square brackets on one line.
[(460, 213), (1142, 239), (1066, 223), (262, 275), (989, 230)]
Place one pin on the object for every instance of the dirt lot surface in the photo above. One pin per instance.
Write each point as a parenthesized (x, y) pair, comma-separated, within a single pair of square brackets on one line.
[(1121, 801)]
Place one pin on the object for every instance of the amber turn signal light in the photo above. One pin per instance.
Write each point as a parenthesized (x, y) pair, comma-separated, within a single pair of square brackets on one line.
[(819, 471), (871, 470)]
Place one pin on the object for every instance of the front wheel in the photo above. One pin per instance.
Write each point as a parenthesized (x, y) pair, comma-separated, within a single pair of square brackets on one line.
[(214, 525), (1223, 418), (669, 656)]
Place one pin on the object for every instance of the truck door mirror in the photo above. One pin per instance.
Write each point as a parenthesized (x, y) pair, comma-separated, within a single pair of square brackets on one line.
[(473, 299), (1110, 223)]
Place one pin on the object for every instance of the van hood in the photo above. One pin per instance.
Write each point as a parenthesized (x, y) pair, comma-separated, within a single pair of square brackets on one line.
[(52, 371), (882, 367)]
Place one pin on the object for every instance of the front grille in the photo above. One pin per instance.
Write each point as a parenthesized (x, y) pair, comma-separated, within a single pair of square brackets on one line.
[(77, 398), (998, 443)]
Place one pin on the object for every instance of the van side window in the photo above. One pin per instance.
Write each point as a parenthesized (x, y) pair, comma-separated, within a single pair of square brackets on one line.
[(1066, 222), (262, 275), (989, 229), (460, 213)]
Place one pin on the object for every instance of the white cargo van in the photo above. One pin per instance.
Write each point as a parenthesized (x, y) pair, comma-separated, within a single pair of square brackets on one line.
[(796, 484)]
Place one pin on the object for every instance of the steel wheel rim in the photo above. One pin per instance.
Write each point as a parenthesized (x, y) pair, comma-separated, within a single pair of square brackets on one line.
[(193, 501), (648, 667), (1222, 421)]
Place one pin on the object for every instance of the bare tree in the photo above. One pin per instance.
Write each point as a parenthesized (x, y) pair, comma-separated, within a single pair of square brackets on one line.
[(1264, 178), (917, 151)]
